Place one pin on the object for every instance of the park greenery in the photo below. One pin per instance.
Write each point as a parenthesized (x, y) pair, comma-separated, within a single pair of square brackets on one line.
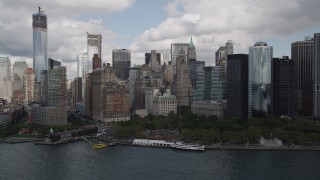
[(210, 130)]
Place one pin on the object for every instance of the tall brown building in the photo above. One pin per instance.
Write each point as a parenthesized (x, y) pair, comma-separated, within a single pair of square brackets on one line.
[(96, 62), (182, 85), (29, 79), (302, 55)]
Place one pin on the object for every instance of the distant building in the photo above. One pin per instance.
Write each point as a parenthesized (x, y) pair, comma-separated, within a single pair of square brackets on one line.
[(88, 96), (316, 77), (150, 93), (164, 104), (96, 62), (214, 84), (182, 85), (178, 49), (237, 91), (208, 108), (57, 92), (19, 67), (302, 53), (93, 47), (194, 68), (5, 78), (40, 42), (134, 75), (191, 53), (259, 99), (110, 99), (121, 62), (76, 92), (29, 80), (147, 58), (45, 115), (53, 63), (82, 71), (282, 87)]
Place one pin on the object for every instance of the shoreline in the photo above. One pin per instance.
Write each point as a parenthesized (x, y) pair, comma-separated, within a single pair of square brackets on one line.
[(40, 141)]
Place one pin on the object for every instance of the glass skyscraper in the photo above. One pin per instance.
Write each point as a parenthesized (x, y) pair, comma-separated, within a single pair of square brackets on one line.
[(121, 62), (5, 78), (39, 25), (259, 86)]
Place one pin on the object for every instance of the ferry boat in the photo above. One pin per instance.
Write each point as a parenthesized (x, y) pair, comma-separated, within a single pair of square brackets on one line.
[(99, 146), (192, 147)]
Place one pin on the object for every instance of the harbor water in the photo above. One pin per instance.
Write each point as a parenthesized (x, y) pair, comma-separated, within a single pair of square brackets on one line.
[(79, 161)]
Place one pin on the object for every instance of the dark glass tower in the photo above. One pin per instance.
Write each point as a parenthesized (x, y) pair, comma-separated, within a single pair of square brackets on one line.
[(121, 62), (282, 86), (237, 90)]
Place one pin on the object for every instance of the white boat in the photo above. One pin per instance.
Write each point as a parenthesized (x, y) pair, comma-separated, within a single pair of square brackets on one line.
[(193, 147)]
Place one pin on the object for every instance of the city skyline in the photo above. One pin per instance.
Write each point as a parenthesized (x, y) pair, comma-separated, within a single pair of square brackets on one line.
[(123, 24)]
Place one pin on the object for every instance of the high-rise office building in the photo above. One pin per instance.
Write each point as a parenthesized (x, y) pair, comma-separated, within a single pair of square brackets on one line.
[(19, 67), (259, 86), (29, 80), (5, 78), (282, 86), (237, 90), (182, 85), (214, 84), (76, 92), (134, 74), (178, 49), (81, 65), (147, 58), (302, 53), (93, 47), (88, 96), (316, 77), (194, 68), (57, 92), (52, 63), (40, 43), (121, 62)]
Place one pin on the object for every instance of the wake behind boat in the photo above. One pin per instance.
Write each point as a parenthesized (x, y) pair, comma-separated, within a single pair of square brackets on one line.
[(183, 146)]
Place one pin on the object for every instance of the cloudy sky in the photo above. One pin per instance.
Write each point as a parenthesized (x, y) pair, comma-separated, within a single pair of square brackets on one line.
[(143, 25)]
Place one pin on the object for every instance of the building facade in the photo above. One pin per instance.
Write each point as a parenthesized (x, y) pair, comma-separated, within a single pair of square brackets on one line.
[(29, 81), (316, 77), (259, 86), (164, 104), (237, 90), (40, 43), (282, 87), (207, 108), (76, 92), (121, 62), (57, 92), (93, 47), (5, 78), (96, 62), (181, 87), (178, 49), (302, 53), (214, 83)]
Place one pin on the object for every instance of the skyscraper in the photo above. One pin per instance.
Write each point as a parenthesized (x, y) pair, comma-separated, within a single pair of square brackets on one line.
[(93, 47), (182, 85), (302, 53), (29, 79), (121, 62), (316, 77), (191, 53), (259, 99), (147, 58), (40, 43), (81, 65), (5, 78), (214, 84), (282, 86), (178, 49), (237, 91), (19, 67)]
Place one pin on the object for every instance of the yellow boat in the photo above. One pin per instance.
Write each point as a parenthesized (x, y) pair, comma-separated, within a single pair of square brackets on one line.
[(99, 146)]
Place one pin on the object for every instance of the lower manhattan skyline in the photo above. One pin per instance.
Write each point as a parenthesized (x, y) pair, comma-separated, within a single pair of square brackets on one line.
[(124, 24)]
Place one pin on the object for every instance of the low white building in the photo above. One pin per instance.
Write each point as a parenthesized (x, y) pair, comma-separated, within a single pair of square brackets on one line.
[(207, 108), (164, 104)]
